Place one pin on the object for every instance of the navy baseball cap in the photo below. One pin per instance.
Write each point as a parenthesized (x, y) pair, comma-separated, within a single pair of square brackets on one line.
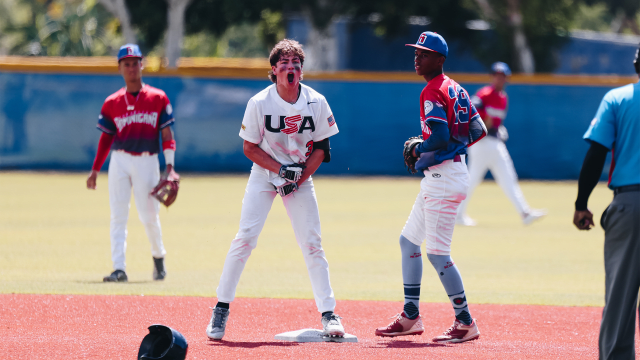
[(433, 42), (129, 51), (500, 67)]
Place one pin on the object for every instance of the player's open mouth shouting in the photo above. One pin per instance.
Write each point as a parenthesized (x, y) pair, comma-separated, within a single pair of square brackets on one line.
[(289, 69)]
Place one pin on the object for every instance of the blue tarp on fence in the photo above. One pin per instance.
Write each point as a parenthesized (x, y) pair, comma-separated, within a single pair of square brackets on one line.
[(47, 121)]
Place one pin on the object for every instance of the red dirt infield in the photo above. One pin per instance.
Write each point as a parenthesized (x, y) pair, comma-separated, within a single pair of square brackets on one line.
[(112, 327)]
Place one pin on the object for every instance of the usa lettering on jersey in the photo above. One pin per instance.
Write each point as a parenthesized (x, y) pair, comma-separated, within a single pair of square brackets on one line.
[(290, 125)]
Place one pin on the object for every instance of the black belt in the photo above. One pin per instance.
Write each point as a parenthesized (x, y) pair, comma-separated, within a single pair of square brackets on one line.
[(627, 188)]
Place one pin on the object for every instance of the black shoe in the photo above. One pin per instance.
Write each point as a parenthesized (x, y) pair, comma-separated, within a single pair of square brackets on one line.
[(159, 272), (116, 276)]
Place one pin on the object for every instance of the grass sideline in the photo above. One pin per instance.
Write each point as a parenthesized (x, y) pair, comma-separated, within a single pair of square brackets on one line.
[(54, 239)]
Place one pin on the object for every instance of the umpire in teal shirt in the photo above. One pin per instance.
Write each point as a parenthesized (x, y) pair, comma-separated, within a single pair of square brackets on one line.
[(616, 128)]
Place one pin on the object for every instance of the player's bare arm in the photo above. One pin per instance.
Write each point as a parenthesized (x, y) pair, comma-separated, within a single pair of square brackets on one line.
[(312, 165), (488, 121), (254, 153)]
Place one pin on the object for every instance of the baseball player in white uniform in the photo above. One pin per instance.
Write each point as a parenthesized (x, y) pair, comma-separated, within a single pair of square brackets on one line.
[(131, 120), (491, 153), (286, 130)]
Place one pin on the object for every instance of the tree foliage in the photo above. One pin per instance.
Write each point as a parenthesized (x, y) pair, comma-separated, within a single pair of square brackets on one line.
[(59, 28), (546, 24)]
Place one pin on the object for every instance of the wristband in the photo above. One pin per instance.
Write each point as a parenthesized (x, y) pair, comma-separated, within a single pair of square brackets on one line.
[(169, 145)]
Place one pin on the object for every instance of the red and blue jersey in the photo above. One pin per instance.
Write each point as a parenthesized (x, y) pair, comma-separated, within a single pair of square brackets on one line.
[(491, 104), (444, 100), (136, 121)]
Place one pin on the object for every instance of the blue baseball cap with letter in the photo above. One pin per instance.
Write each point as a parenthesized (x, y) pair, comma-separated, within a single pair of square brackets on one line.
[(129, 51), (433, 42), (500, 67)]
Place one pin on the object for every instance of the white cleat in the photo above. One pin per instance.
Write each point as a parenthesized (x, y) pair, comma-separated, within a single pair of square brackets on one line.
[(332, 326), (218, 323), (533, 215), (465, 220)]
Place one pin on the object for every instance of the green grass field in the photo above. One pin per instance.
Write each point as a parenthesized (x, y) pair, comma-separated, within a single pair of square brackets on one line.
[(54, 239)]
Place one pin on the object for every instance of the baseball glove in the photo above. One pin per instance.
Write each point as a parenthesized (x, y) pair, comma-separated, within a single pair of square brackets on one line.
[(167, 189), (291, 173), (409, 159)]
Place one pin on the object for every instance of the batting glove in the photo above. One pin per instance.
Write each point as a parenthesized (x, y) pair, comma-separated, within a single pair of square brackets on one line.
[(291, 173), (287, 189)]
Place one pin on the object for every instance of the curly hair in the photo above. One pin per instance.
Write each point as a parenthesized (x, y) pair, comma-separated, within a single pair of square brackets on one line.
[(283, 48)]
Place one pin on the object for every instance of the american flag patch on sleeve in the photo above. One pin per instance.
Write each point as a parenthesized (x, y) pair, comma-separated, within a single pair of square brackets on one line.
[(331, 120)]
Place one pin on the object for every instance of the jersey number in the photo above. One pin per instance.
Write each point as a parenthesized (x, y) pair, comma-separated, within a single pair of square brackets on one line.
[(461, 105), (309, 148)]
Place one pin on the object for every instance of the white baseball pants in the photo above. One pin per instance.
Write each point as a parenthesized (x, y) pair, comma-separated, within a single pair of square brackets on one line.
[(491, 154), (302, 208), (143, 173), (433, 216)]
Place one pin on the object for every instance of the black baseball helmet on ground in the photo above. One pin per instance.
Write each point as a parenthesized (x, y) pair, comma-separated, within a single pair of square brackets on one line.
[(163, 343), (636, 61)]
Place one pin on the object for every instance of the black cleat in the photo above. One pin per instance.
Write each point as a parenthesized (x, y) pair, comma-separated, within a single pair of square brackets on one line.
[(116, 276), (159, 272)]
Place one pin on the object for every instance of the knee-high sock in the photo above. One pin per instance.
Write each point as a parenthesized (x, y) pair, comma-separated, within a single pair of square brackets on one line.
[(452, 282), (411, 276)]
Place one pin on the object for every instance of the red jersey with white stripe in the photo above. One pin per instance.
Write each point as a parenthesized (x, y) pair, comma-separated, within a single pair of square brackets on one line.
[(444, 100), (491, 104), (136, 121)]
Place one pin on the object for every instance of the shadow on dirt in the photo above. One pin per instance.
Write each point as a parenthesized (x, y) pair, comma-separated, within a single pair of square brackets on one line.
[(249, 344), (403, 344), (116, 282)]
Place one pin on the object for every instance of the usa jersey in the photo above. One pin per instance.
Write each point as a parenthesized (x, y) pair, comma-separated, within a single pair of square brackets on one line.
[(444, 100), (491, 104), (136, 121), (287, 131)]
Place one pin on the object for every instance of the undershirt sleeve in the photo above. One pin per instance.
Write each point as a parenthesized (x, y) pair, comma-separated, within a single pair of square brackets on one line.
[(590, 173), (438, 139)]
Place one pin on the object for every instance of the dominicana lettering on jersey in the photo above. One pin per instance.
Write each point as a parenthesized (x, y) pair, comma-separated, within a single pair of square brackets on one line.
[(144, 118)]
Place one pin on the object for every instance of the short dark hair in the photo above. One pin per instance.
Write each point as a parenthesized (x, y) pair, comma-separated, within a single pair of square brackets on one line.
[(283, 48)]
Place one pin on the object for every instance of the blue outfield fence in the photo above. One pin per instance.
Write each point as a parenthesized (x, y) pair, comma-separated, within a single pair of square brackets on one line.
[(47, 121)]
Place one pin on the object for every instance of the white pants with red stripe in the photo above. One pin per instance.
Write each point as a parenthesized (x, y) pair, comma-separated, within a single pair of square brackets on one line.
[(491, 154), (302, 208), (433, 216), (142, 173)]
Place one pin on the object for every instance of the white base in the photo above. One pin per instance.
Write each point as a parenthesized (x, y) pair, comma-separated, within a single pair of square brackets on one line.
[(313, 335)]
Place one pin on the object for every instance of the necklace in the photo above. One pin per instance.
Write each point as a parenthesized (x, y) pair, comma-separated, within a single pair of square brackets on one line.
[(131, 107)]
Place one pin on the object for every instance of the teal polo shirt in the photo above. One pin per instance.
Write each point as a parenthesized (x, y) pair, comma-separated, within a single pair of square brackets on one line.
[(617, 127)]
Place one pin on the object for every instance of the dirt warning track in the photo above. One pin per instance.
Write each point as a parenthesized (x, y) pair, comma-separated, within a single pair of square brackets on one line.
[(112, 327)]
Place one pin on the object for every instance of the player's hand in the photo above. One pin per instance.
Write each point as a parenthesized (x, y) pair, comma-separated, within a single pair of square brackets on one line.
[(583, 219), (92, 179), (171, 174)]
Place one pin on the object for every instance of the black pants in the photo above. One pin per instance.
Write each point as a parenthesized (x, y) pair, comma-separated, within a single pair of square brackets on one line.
[(621, 222)]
